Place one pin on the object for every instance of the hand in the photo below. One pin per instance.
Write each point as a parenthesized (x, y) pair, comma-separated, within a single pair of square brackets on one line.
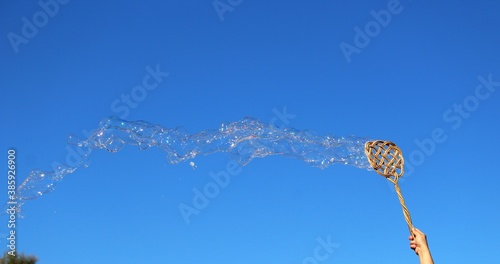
[(418, 242)]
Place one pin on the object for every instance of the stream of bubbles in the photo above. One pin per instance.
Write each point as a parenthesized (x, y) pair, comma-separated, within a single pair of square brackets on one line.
[(243, 140)]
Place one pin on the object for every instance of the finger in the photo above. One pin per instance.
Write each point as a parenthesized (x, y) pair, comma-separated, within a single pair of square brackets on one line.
[(414, 232)]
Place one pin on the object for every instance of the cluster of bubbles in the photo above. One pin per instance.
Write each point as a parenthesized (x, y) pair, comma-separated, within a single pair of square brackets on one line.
[(243, 140)]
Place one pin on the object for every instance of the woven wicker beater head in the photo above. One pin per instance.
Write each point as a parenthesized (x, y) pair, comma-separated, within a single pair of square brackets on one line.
[(385, 158)]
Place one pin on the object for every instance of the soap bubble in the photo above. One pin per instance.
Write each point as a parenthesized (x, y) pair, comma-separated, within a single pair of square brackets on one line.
[(243, 140)]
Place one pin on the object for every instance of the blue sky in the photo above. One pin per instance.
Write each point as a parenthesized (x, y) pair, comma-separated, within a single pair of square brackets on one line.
[(422, 74)]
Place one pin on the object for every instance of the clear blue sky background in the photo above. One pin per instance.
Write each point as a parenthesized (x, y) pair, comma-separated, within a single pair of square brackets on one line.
[(417, 76)]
